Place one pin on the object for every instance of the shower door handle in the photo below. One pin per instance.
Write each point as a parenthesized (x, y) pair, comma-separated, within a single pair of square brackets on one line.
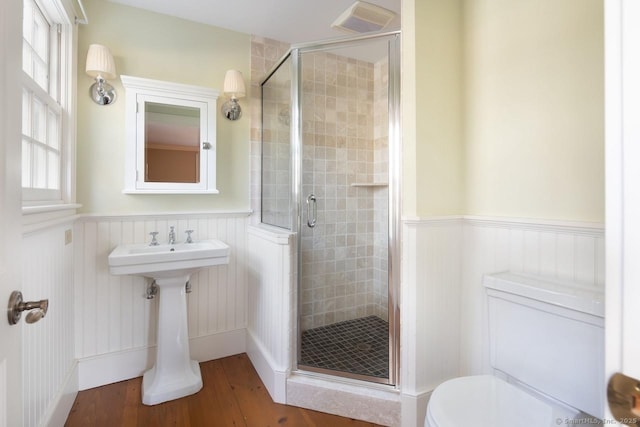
[(311, 220)]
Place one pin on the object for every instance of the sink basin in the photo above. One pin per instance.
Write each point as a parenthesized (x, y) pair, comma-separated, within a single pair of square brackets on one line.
[(167, 260), (174, 374)]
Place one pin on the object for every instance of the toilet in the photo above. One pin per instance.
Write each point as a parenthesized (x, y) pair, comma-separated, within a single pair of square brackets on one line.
[(546, 341)]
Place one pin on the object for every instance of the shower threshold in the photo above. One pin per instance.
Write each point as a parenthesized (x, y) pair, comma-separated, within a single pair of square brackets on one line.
[(359, 347)]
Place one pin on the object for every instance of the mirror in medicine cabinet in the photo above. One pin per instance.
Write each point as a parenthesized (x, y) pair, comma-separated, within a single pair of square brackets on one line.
[(171, 132)]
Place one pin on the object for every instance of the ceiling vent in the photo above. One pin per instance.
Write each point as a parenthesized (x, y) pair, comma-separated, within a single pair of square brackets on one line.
[(363, 17)]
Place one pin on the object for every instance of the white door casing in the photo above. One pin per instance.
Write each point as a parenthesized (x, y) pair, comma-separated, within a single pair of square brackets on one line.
[(622, 149), (10, 205)]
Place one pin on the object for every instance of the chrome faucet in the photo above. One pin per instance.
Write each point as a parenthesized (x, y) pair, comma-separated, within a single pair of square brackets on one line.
[(172, 235), (154, 241)]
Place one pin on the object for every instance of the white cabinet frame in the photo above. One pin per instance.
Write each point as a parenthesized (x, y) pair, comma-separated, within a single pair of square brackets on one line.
[(139, 90)]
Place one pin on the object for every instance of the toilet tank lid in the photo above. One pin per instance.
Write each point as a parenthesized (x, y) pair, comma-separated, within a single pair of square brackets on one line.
[(571, 295)]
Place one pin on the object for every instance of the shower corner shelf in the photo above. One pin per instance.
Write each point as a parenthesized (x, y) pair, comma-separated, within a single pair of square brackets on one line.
[(369, 184)]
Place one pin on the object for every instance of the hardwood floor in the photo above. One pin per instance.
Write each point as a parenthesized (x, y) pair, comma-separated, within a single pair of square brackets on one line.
[(232, 395)]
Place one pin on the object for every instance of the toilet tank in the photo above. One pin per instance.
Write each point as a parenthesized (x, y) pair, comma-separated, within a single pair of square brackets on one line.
[(549, 335)]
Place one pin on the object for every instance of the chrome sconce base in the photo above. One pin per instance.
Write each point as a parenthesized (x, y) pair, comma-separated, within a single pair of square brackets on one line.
[(231, 109), (102, 93)]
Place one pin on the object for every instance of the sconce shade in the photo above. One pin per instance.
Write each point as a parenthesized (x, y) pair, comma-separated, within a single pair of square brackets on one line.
[(234, 84), (100, 62)]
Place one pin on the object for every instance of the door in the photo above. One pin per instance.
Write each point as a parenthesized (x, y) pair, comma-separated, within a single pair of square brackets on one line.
[(10, 215), (622, 71)]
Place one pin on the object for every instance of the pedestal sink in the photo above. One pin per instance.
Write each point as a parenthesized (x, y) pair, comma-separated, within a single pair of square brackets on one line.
[(174, 374)]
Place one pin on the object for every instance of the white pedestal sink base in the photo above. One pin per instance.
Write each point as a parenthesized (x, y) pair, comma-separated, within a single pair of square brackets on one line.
[(174, 374), (156, 390)]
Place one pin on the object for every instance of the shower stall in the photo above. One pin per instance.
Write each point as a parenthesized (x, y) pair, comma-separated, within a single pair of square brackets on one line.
[(330, 167)]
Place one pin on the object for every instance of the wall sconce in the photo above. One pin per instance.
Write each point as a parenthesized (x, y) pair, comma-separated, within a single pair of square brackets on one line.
[(101, 66), (233, 88)]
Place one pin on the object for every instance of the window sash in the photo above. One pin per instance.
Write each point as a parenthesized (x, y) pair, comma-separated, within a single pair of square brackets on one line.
[(43, 122)]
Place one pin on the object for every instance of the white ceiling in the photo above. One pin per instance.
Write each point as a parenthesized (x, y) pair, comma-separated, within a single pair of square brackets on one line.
[(292, 21)]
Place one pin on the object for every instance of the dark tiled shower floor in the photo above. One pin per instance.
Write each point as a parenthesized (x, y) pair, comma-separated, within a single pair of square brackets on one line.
[(359, 346)]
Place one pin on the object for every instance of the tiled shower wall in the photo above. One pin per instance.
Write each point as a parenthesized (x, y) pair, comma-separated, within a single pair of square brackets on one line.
[(265, 53), (276, 149), (338, 264), (345, 136)]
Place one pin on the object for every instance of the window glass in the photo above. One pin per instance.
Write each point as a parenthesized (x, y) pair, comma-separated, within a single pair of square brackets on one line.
[(42, 156)]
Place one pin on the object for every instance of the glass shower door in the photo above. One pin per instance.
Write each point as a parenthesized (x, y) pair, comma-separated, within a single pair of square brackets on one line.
[(344, 208)]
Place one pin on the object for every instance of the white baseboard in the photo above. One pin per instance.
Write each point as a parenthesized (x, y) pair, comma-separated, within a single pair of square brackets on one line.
[(414, 409), (123, 365), (275, 380), (61, 405), (224, 344)]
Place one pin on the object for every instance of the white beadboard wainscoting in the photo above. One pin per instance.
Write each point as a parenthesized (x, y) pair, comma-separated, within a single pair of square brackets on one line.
[(430, 310), (563, 250), (100, 328), (115, 325), (49, 374), (444, 311), (271, 306)]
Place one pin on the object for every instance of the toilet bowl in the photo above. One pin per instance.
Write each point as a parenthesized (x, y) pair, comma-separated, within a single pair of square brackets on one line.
[(546, 349), (488, 401)]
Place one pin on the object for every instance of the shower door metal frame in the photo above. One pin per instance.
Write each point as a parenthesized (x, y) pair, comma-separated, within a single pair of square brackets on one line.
[(395, 209), (394, 197)]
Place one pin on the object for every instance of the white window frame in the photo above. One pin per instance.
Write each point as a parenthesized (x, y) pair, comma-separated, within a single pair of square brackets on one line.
[(63, 15)]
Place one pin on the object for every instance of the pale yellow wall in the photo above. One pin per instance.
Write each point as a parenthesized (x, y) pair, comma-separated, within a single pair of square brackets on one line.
[(534, 117), (503, 108), (155, 46), (437, 153)]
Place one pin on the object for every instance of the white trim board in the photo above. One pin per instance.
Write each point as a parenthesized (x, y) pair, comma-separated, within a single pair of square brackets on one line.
[(274, 380), (123, 365), (61, 404), (414, 408), (150, 215), (576, 227), (272, 234)]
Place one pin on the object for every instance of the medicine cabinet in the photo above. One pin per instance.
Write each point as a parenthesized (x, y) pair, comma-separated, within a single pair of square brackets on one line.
[(170, 137)]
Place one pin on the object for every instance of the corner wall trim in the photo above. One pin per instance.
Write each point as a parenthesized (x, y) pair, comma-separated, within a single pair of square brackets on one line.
[(271, 234), (274, 380), (414, 409), (61, 404)]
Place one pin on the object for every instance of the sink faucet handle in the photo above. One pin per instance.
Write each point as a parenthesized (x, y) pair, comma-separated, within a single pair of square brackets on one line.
[(172, 235), (189, 239), (154, 241)]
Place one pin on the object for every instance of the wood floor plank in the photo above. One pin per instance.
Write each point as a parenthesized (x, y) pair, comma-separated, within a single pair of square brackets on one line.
[(254, 400), (216, 406), (102, 405), (232, 396), (321, 419), (131, 400)]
